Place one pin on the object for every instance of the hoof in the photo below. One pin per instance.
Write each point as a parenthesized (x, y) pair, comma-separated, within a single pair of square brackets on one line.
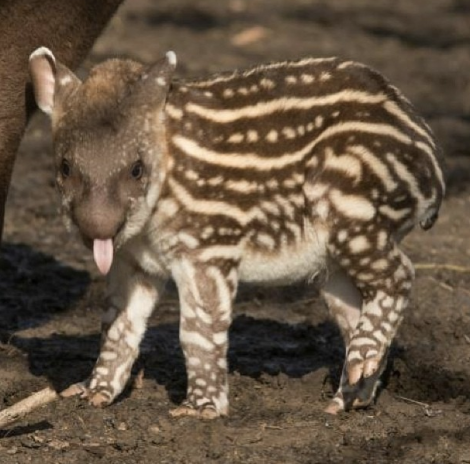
[(363, 369), (335, 406), (205, 413), (79, 389), (96, 399)]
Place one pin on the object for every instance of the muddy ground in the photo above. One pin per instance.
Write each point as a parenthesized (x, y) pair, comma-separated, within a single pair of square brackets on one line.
[(285, 354)]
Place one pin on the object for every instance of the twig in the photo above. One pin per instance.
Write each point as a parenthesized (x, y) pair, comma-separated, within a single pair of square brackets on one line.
[(409, 400), (24, 407), (428, 411), (444, 266)]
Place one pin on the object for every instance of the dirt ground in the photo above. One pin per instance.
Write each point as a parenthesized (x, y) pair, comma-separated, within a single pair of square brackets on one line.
[(285, 355)]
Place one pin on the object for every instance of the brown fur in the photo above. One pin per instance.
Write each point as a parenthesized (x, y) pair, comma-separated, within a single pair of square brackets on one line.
[(69, 28)]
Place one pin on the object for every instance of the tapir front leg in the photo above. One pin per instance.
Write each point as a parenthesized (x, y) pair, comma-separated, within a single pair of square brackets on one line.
[(131, 299), (206, 294)]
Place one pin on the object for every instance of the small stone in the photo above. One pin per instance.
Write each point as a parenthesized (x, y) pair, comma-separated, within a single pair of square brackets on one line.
[(58, 444), (122, 426), (154, 429), (13, 450)]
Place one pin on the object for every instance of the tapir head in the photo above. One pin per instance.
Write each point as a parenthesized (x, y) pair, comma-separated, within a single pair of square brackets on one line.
[(109, 144)]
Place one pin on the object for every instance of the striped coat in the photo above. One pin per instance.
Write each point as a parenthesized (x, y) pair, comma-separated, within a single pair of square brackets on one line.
[(310, 170)]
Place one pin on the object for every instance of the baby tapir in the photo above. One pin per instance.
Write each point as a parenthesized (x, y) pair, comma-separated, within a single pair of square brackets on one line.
[(304, 170)]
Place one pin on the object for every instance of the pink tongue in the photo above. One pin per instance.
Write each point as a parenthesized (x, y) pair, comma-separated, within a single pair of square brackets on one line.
[(103, 254)]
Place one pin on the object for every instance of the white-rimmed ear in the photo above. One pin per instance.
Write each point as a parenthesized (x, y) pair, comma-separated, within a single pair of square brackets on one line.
[(161, 72), (42, 68), (152, 88), (49, 78)]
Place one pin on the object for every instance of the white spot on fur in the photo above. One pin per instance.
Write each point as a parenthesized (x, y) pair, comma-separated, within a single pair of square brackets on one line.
[(236, 138), (207, 232), (252, 136), (267, 84), (288, 132), (193, 361), (307, 78), (200, 382), (366, 325), (65, 80), (359, 244), (222, 363), (191, 175), (382, 239), (175, 113), (102, 371), (291, 79), (272, 136), (242, 186), (215, 181), (342, 235), (108, 355), (379, 265), (220, 338)]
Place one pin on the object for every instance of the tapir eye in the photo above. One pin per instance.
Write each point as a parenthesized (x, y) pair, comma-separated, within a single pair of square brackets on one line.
[(137, 170), (65, 168)]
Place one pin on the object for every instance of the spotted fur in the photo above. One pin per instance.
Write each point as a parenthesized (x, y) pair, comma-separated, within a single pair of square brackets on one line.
[(309, 170)]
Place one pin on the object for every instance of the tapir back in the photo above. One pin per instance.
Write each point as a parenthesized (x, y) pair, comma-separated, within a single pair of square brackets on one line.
[(318, 139)]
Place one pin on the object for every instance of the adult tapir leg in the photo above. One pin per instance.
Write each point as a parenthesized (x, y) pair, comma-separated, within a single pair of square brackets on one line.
[(11, 130)]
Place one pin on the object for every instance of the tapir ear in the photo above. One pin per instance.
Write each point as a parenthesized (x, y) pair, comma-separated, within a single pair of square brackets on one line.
[(51, 80), (162, 71), (154, 83)]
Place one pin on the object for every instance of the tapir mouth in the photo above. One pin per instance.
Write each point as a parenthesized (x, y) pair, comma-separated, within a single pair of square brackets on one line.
[(103, 251), (103, 248)]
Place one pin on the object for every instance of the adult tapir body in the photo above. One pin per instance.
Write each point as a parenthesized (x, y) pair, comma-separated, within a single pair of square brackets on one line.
[(70, 28)]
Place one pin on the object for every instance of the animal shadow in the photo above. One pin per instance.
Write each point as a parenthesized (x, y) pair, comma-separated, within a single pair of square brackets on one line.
[(34, 286)]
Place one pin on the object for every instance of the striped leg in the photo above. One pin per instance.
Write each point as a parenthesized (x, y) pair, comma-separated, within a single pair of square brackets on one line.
[(384, 275), (385, 299), (206, 294), (132, 297)]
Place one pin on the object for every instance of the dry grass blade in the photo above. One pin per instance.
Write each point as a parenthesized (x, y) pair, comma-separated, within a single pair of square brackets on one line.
[(443, 266)]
